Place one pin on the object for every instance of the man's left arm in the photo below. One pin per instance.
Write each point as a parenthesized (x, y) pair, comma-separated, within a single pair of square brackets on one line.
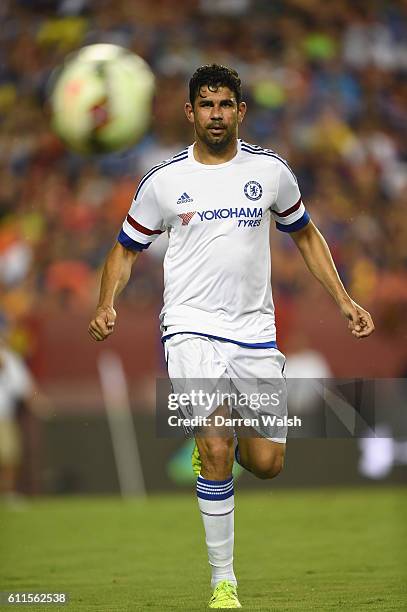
[(318, 258)]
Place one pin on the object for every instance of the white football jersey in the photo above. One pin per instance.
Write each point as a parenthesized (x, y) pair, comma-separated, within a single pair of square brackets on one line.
[(217, 269)]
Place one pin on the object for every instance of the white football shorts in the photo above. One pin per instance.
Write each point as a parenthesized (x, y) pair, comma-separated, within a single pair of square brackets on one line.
[(251, 379)]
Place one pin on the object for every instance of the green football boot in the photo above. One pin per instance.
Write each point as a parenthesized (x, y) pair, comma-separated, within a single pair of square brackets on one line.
[(225, 596)]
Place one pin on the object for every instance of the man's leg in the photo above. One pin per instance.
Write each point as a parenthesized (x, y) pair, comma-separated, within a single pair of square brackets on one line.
[(262, 457), (216, 499), (195, 365), (259, 373)]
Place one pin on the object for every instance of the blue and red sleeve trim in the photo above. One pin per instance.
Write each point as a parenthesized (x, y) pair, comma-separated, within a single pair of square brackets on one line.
[(131, 244), (297, 225)]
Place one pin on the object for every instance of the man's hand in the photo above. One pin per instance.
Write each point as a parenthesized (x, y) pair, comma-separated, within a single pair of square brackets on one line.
[(359, 320), (103, 324)]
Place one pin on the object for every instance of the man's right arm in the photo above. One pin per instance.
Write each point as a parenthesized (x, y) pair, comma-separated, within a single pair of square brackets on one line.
[(116, 274)]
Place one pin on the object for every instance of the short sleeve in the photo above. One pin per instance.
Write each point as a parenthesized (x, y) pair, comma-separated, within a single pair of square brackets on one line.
[(144, 222), (288, 211)]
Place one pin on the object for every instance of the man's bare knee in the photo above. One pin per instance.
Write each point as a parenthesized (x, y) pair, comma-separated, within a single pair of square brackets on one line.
[(216, 450), (216, 456), (269, 467)]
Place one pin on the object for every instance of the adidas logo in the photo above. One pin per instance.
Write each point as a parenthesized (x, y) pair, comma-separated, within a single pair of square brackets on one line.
[(184, 199)]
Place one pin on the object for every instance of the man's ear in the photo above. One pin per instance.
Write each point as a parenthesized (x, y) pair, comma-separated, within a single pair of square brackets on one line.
[(241, 111), (189, 112)]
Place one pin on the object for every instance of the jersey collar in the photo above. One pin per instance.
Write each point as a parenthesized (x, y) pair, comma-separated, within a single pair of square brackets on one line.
[(213, 166)]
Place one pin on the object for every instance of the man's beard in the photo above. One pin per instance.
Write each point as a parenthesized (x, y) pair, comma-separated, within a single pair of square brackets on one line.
[(220, 145)]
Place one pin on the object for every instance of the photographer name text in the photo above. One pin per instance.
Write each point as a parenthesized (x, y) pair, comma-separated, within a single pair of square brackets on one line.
[(267, 420)]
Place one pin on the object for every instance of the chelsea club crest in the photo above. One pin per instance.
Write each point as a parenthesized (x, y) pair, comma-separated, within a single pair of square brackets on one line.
[(253, 190)]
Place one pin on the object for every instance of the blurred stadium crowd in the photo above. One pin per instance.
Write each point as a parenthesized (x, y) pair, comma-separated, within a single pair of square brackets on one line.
[(324, 85)]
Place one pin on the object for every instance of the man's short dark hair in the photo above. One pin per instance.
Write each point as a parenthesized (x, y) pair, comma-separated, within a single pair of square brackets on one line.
[(215, 76)]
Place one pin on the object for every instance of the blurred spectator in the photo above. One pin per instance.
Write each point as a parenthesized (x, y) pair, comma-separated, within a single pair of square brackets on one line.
[(16, 386), (304, 368), (303, 362)]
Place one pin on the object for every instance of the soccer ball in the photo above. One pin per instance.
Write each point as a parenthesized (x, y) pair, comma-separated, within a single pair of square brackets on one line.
[(101, 99)]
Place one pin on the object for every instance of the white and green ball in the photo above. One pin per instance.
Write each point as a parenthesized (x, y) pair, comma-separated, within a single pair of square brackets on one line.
[(101, 99)]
